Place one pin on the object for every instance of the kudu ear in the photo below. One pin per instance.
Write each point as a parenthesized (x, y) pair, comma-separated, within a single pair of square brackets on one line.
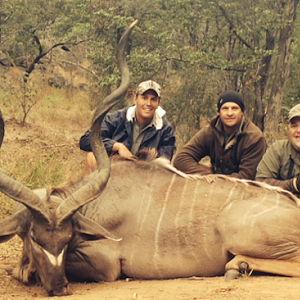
[(90, 230), (15, 224)]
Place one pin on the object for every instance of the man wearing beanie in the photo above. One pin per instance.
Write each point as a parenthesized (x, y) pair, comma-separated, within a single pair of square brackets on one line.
[(233, 143)]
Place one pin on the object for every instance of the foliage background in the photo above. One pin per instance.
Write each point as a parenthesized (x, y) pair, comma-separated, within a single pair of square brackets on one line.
[(195, 49)]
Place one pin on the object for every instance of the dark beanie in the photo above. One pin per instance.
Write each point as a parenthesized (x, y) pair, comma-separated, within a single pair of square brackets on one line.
[(231, 96)]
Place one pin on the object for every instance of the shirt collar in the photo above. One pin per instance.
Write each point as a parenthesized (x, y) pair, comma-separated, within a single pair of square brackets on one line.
[(157, 120)]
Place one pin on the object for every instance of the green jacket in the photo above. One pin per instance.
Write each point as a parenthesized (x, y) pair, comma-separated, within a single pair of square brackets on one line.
[(238, 158), (275, 164)]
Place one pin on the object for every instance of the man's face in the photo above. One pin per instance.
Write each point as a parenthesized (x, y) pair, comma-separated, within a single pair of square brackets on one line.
[(294, 132), (231, 115), (146, 105)]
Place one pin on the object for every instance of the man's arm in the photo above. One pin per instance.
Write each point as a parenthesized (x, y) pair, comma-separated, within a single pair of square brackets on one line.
[(108, 127), (268, 171), (84, 142), (289, 184), (187, 159), (251, 156), (167, 143), (109, 143)]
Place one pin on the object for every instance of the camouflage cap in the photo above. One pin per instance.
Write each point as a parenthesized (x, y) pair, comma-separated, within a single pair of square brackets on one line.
[(294, 112), (148, 85)]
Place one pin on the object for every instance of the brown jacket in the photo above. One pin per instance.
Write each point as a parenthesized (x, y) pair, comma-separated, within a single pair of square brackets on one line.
[(239, 158)]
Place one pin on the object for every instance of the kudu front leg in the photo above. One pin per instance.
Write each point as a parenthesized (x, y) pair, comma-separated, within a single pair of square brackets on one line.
[(243, 264)]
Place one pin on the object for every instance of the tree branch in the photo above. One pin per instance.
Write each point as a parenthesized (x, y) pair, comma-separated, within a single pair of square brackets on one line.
[(82, 67), (207, 65), (224, 69), (42, 54), (37, 40), (222, 9)]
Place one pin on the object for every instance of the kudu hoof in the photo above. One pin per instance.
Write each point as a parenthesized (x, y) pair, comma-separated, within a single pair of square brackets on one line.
[(232, 274), (244, 267)]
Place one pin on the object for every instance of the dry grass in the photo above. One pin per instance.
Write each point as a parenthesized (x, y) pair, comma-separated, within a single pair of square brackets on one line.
[(45, 151)]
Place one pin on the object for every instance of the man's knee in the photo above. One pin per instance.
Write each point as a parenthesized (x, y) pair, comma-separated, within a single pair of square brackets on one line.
[(90, 163)]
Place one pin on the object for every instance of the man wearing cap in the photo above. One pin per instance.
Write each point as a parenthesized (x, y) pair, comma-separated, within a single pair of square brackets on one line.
[(280, 166), (233, 143), (131, 129)]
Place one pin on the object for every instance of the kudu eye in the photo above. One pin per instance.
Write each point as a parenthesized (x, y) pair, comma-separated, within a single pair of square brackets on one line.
[(32, 236)]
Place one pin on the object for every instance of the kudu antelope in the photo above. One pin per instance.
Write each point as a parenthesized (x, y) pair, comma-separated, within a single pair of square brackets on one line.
[(147, 220)]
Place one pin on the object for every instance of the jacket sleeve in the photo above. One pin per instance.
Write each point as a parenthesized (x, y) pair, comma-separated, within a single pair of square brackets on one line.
[(84, 142), (113, 123), (187, 159), (251, 157), (167, 143), (284, 184), (268, 170), (108, 127)]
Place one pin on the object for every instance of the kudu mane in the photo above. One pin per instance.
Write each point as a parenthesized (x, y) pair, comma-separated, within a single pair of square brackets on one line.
[(143, 155), (246, 182), (67, 188), (149, 155)]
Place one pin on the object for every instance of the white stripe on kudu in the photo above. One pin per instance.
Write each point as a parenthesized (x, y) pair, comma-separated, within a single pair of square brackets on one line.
[(55, 261), (141, 219), (155, 256)]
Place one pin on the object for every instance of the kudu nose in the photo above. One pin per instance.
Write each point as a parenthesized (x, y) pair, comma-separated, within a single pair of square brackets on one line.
[(59, 287), (65, 291)]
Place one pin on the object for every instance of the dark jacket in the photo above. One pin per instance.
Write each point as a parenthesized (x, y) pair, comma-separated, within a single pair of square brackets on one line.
[(118, 127), (238, 158)]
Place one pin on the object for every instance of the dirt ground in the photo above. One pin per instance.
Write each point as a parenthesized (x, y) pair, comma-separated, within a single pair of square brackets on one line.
[(255, 287)]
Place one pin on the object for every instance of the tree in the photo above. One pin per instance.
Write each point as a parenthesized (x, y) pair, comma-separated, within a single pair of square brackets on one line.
[(282, 69), (31, 29)]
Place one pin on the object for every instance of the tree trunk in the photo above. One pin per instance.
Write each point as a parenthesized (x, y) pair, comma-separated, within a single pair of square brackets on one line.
[(262, 86), (259, 108), (0, 21), (282, 70)]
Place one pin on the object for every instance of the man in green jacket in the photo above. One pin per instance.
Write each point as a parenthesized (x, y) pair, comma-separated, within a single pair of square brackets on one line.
[(233, 143), (280, 166)]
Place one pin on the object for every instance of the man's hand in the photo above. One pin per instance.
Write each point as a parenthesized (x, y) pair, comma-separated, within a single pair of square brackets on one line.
[(123, 151)]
